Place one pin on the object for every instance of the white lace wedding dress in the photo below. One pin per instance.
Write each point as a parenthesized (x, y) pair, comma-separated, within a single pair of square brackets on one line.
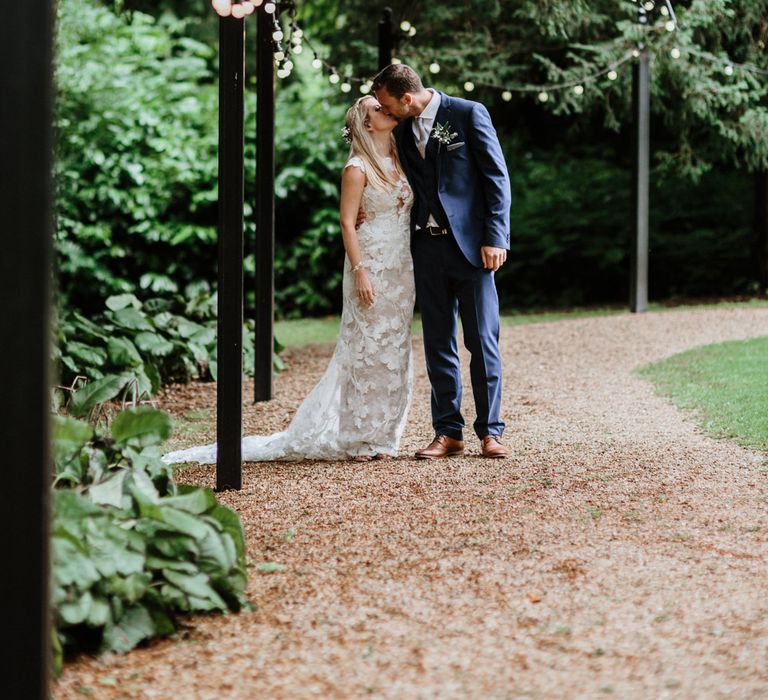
[(360, 404)]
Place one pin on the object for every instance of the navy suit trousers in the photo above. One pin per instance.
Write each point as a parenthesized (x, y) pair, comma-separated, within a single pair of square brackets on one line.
[(446, 283)]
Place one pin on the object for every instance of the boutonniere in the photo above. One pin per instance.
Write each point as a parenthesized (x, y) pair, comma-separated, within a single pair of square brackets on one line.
[(443, 135)]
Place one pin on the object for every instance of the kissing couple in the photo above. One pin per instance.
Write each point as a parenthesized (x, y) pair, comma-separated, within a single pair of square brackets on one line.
[(424, 212)]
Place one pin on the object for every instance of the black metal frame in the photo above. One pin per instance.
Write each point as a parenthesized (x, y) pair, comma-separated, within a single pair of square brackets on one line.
[(26, 149), (229, 397), (265, 211)]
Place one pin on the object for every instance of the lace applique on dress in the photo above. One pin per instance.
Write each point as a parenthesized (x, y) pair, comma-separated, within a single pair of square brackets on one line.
[(361, 403)]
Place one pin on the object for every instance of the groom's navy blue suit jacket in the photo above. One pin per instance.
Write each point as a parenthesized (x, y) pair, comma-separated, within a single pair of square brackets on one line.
[(472, 179)]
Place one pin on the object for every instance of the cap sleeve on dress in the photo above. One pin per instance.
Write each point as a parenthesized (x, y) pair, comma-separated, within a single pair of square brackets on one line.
[(357, 162)]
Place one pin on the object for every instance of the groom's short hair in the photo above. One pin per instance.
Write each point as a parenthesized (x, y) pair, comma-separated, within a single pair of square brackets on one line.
[(397, 79)]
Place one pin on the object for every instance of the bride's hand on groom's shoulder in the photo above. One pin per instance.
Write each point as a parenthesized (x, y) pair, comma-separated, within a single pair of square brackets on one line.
[(493, 258)]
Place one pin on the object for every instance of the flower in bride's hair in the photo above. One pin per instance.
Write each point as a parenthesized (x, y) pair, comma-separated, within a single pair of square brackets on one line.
[(346, 133)]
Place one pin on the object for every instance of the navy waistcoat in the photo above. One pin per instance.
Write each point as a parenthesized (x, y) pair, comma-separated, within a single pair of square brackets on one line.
[(424, 177)]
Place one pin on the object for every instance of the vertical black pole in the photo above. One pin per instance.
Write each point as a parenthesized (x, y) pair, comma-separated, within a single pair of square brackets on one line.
[(386, 39), (230, 323), (25, 290), (761, 229), (265, 210), (638, 295)]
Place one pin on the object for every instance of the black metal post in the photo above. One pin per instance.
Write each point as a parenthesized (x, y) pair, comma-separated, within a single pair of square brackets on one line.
[(25, 291), (265, 210), (638, 294), (229, 397), (386, 39), (761, 229)]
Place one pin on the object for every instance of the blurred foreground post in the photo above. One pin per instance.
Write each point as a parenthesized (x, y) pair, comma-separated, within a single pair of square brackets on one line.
[(265, 210), (229, 396), (25, 296)]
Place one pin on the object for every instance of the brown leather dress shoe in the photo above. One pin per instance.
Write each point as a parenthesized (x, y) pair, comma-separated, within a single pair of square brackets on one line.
[(442, 446), (493, 448)]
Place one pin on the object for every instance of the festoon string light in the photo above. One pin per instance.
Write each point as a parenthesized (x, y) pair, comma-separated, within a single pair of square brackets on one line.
[(291, 39)]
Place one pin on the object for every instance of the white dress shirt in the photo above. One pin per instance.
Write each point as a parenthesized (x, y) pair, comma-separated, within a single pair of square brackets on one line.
[(422, 126)]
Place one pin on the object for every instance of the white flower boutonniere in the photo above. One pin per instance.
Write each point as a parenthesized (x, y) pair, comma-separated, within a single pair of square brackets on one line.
[(442, 134)]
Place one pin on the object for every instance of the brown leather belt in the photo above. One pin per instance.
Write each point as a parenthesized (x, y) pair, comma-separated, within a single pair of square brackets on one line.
[(437, 231)]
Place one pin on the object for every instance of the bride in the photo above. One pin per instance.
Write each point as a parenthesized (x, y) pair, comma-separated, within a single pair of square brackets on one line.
[(359, 407)]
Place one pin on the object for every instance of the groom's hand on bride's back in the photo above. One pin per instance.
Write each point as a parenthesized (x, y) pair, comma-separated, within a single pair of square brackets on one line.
[(493, 258), (360, 218)]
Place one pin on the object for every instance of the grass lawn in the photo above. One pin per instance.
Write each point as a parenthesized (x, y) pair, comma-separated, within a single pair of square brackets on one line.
[(725, 384), (307, 331)]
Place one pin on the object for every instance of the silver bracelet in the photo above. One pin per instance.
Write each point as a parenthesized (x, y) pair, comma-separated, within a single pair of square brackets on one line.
[(357, 267)]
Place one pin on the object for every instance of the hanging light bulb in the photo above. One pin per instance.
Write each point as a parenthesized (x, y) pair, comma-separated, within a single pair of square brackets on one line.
[(249, 8), (578, 89), (434, 67), (298, 33), (728, 70), (469, 86), (543, 96), (223, 7), (365, 88), (664, 11), (277, 35), (334, 78), (670, 26), (635, 53), (270, 8), (396, 61), (675, 53), (649, 5), (237, 11), (282, 73), (405, 25), (317, 63), (345, 86), (412, 31), (612, 75), (297, 48), (506, 95), (279, 55)]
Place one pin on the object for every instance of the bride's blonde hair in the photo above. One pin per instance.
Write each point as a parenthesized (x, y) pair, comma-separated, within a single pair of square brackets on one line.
[(363, 146)]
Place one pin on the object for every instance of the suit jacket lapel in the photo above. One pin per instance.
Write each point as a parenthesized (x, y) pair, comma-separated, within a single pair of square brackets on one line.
[(443, 116)]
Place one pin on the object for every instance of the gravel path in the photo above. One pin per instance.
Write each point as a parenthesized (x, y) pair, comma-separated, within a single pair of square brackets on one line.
[(618, 551)]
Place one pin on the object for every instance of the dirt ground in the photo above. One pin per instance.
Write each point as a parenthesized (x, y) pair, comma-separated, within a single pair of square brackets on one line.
[(618, 551)]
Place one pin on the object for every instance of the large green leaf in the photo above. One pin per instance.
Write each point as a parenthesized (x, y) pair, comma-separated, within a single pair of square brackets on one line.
[(70, 436), (192, 499), (123, 353), (197, 585), (134, 626), (141, 426), (110, 491), (153, 343), (96, 392), (132, 319), (122, 301), (86, 354)]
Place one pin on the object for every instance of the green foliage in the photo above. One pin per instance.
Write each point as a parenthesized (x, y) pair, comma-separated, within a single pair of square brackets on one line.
[(133, 348), (164, 339), (131, 549), (724, 384), (136, 163)]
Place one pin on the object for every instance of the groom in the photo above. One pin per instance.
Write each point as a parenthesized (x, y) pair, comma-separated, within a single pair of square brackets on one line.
[(460, 237)]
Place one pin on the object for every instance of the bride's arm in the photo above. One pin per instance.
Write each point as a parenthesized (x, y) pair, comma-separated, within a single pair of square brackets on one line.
[(352, 185)]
